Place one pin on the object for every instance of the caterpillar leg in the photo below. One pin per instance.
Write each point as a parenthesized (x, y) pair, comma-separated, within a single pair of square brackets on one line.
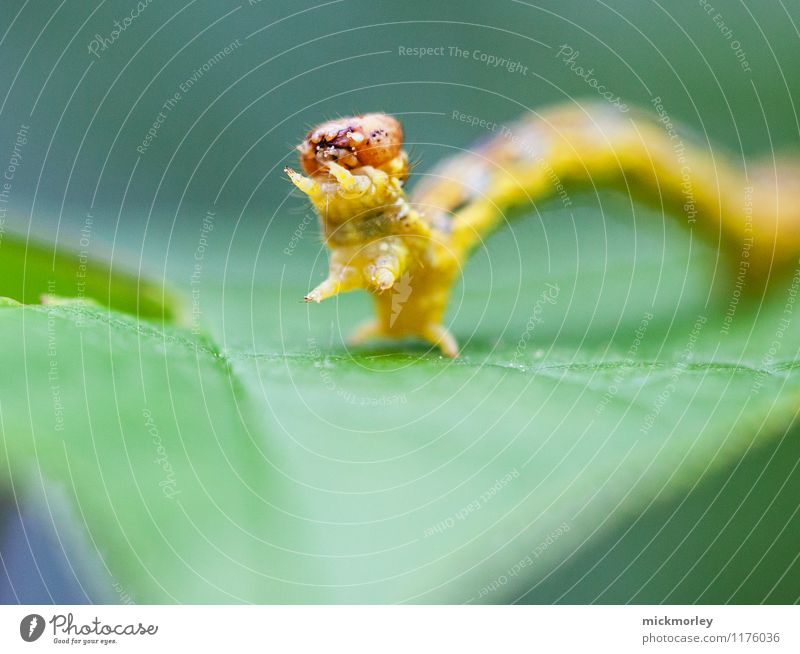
[(439, 335), (368, 329), (353, 185), (329, 288), (307, 185), (340, 278)]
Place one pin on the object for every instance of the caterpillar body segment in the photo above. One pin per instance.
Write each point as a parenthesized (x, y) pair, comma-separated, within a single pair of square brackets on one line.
[(595, 144), (408, 253)]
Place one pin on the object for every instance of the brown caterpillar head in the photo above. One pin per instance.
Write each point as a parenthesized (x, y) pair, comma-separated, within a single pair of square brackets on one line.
[(367, 140)]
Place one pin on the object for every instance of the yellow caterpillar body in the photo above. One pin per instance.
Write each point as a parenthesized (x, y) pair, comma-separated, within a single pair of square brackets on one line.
[(413, 249)]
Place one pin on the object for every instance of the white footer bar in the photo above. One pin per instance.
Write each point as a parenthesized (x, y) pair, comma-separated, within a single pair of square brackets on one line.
[(400, 629)]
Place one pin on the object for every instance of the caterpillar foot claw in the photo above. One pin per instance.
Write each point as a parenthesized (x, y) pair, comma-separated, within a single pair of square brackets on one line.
[(305, 184), (325, 290)]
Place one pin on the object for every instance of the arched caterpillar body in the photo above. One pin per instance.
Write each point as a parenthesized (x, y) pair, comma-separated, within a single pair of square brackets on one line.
[(413, 248)]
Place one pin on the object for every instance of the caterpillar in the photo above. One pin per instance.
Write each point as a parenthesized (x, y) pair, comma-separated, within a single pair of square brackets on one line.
[(413, 246)]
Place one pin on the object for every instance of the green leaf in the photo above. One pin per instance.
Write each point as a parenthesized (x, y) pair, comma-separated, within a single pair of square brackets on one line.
[(286, 468), (146, 432), (31, 269)]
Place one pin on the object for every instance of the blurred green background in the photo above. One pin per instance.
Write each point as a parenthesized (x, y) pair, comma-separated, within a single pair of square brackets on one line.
[(228, 138), (218, 155)]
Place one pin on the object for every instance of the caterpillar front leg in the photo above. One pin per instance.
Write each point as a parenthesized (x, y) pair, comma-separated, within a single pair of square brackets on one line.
[(342, 276), (438, 335), (375, 267), (331, 287), (307, 185)]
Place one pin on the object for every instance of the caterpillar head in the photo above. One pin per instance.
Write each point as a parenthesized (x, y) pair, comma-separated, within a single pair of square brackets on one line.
[(355, 170), (368, 140)]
